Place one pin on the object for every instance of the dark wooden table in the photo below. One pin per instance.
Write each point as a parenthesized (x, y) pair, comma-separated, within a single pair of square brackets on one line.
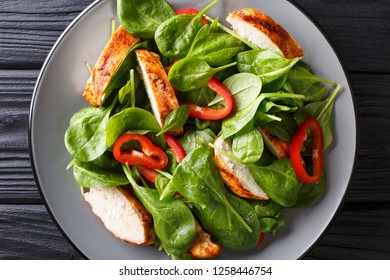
[(360, 32)]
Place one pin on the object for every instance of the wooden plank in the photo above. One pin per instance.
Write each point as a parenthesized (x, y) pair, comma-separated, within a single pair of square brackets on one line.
[(27, 232), (17, 184), (359, 30), (26, 37), (360, 231), (371, 180)]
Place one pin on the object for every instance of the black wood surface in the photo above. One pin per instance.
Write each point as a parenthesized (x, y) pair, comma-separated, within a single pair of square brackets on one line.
[(358, 29)]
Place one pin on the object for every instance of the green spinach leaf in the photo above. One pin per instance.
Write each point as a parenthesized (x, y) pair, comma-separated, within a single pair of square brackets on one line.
[(248, 145), (176, 119), (311, 193), (121, 75), (197, 179), (85, 136), (269, 215), (173, 221), (174, 36), (224, 226), (132, 119), (215, 48), (271, 66), (284, 129), (194, 138), (323, 112), (142, 18), (234, 124), (279, 181), (192, 72), (303, 81), (88, 175), (245, 88), (200, 96)]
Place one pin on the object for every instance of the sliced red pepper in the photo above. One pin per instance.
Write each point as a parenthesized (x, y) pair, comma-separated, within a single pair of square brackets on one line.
[(261, 238), (190, 11), (150, 156), (176, 147), (317, 158), (207, 113), (149, 174)]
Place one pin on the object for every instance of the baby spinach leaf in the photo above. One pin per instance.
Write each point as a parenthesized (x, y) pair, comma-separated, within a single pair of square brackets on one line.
[(323, 112), (200, 96), (262, 118), (173, 221), (121, 75), (88, 175), (303, 81), (161, 182), (141, 18), (192, 73), (284, 129), (85, 136), (197, 179), (311, 193), (132, 119), (234, 124), (270, 65), (193, 138), (269, 215), (224, 226), (106, 161), (127, 92), (174, 36), (271, 107), (176, 119), (215, 48), (233, 33), (244, 87), (279, 181), (248, 145)]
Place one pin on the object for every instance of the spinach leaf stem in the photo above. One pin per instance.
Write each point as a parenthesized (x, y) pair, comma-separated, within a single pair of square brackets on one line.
[(234, 34)]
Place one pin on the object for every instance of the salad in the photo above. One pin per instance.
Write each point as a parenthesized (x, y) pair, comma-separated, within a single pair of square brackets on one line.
[(198, 136)]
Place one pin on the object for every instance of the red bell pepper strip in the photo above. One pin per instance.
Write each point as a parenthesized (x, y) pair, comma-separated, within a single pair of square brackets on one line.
[(190, 11), (148, 173), (261, 238), (317, 157), (176, 147), (207, 113), (151, 155)]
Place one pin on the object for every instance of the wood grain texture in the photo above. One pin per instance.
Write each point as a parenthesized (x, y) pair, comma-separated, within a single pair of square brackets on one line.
[(27, 232), (360, 231), (360, 32), (28, 29)]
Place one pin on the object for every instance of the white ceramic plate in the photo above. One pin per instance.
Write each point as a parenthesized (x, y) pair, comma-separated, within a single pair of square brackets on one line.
[(57, 97)]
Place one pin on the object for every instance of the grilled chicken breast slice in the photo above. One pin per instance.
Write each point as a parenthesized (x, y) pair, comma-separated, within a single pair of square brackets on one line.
[(108, 62), (278, 147), (236, 176), (122, 214), (160, 91), (263, 31), (203, 247)]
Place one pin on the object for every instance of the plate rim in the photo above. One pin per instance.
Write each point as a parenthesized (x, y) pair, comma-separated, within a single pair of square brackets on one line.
[(94, 4)]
